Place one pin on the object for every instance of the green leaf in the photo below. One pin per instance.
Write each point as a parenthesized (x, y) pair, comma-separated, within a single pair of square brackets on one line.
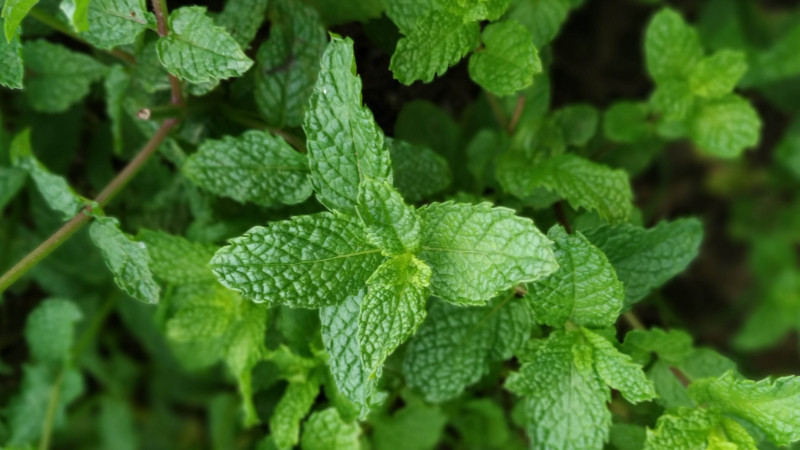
[(255, 167), (627, 122), (618, 371), (673, 100), (242, 19), (508, 60), (113, 23), (340, 336), (55, 190), (455, 345), (415, 427), (393, 308), (116, 86), (725, 127), (307, 261), (578, 123), (11, 181), (717, 75), (345, 145), (477, 251), (389, 223), (672, 47), (439, 40), (683, 428), (419, 172), (198, 51), (62, 77), (77, 11), (287, 64), (325, 430), (565, 402), (11, 62), (542, 18), (406, 13), (583, 183), (584, 289), (672, 346), (13, 13), (646, 258), (127, 259), (50, 330), (290, 411), (177, 260), (772, 405)]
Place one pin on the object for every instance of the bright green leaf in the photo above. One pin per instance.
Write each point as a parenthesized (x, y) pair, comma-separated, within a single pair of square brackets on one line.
[(77, 11), (11, 181), (50, 330), (177, 260), (673, 100), (242, 19), (508, 60), (418, 171), (542, 18), (389, 223), (717, 75), (325, 430), (290, 411), (11, 62), (725, 127), (682, 429), (672, 47), (116, 22), (618, 371), (13, 13)]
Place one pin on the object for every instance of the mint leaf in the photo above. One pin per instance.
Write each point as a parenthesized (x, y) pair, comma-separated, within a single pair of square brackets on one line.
[(477, 251), (455, 345), (242, 19), (77, 11), (11, 62), (177, 260), (255, 167), (62, 77), (672, 47), (50, 329), (406, 13), (583, 183), (673, 99), (116, 85), (683, 428), (717, 75), (542, 18), (646, 258), (325, 430), (307, 262), (508, 60), (390, 224), (772, 405), (13, 13), (345, 145), (419, 172), (439, 40), (627, 122), (618, 371), (414, 427), (127, 259), (11, 181), (672, 346), (584, 289), (198, 51), (393, 308), (55, 190), (565, 402), (578, 123), (288, 62), (116, 22), (725, 127), (290, 410)]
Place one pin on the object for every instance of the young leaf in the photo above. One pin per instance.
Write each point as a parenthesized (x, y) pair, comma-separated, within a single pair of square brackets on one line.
[(77, 11), (673, 99), (683, 428), (288, 62), (13, 13), (11, 62), (671, 46), (62, 76), (290, 410), (127, 259), (242, 19), (455, 345), (307, 261), (55, 190), (345, 145), (255, 167), (618, 371), (477, 251), (393, 308), (50, 330), (542, 18), (325, 430), (418, 171), (198, 51), (646, 258), (508, 61), (116, 22), (717, 75), (584, 289), (725, 127), (439, 40), (390, 224), (177, 260)]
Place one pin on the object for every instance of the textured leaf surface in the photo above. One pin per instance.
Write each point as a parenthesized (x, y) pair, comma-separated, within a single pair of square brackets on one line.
[(60, 77), (116, 22), (646, 258), (393, 308), (390, 224), (77, 12), (618, 371), (671, 46), (684, 428), (565, 404), (418, 171), (288, 62), (13, 13), (176, 259), (717, 75), (673, 99), (406, 13), (50, 330), (725, 127), (255, 167), (415, 427), (11, 62), (308, 261), (242, 19), (325, 430), (542, 18), (584, 289), (772, 405), (55, 190), (583, 183), (454, 346), (671, 346), (345, 145), (290, 410), (508, 60), (439, 40), (477, 251), (198, 51), (127, 259)]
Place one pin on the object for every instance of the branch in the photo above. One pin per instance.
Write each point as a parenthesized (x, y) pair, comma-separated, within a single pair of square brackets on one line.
[(161, 12)]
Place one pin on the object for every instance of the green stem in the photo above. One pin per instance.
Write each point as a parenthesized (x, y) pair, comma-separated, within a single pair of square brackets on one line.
[(633, 321), (161, 12), (52, 406), (97, 322), (497, 110)]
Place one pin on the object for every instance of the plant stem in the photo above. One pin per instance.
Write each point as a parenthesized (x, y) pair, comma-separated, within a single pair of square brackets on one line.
[(161, 12), (52, 405), (512, 125), (497, 110), (633, 321)]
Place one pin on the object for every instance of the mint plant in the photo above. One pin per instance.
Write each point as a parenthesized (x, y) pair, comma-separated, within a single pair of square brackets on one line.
[(307, 224)]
